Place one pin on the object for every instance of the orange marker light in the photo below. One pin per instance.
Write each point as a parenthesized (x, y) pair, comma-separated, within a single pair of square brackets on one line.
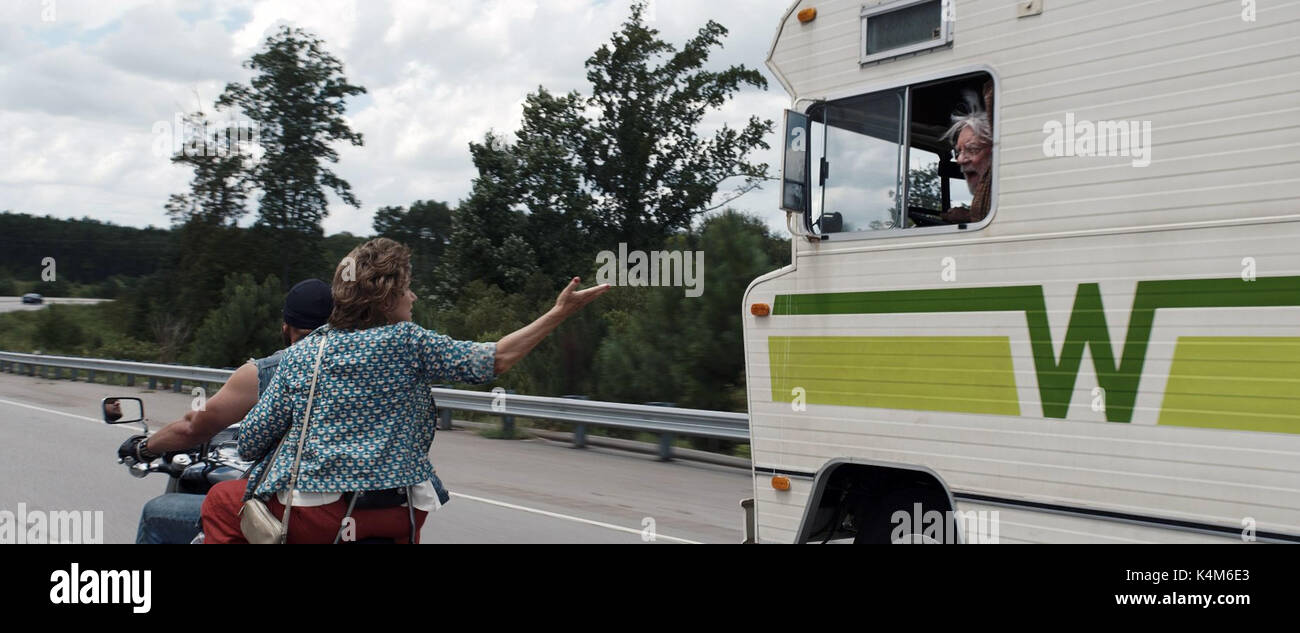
[(781, 483), (760, 309), (807, 15)]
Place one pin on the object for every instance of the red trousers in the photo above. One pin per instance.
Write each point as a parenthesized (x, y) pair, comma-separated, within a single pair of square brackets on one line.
[(319, 524)]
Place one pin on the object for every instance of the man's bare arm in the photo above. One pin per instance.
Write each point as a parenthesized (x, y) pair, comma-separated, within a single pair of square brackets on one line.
[(229, 405)]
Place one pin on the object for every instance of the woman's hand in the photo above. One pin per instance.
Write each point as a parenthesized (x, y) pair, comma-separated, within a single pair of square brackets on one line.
[(517, 344), (571, 300)]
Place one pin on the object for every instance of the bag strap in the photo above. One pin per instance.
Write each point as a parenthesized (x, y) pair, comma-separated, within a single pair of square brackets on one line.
[(302, 440)]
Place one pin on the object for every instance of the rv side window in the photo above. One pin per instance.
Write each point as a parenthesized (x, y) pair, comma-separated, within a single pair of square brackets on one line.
[(917, 156), (898, 27)]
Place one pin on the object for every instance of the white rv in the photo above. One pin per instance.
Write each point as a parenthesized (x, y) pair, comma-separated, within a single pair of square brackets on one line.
[(1111, 353)]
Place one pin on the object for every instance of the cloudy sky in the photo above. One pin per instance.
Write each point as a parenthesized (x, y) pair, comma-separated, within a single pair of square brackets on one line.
[(83, 83)]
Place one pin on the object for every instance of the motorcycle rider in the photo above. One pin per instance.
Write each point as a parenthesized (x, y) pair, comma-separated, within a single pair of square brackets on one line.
[(174, 518)]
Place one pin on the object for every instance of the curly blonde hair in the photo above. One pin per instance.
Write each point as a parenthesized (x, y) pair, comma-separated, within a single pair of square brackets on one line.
[(368, 283)]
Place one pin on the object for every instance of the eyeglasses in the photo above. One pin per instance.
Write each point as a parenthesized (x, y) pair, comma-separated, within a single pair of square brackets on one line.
[(971, 149)]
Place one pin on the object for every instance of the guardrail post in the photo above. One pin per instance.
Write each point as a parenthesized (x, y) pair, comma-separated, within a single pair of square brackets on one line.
[(153, 383), (90, 376), (130, 380), (444, 414), (176, 385), (508, 420), (579, 429), (665, 439)]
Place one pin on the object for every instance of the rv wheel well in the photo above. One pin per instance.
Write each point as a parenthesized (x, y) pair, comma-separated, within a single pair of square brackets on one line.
[(860, 501)]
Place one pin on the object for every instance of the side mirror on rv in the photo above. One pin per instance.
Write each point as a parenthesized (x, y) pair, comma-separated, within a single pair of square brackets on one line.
[(795, 184)]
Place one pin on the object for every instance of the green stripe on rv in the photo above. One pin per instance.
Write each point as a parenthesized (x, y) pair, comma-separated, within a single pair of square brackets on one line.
[(1120, 377), (1246, 383), (964, 374)]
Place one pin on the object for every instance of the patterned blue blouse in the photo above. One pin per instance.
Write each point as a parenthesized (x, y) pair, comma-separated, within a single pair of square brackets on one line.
[(371, 424)]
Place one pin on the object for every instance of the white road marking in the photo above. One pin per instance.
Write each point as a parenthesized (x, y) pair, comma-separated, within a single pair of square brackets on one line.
[(70, 415), (556, 515)]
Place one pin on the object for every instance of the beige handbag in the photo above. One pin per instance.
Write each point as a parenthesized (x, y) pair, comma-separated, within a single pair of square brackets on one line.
[(259, 525)]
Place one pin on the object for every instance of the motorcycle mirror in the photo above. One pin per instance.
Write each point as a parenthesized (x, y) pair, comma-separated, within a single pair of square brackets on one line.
[(120, 410)]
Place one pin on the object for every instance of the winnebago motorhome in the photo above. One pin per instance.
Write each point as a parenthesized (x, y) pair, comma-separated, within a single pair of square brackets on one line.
[(1081, 326)]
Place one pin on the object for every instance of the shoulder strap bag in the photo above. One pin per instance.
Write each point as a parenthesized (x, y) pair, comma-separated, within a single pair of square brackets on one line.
[(256, 521)]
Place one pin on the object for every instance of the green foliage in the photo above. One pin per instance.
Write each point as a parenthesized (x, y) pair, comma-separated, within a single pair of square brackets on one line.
[(56, 331), (489, 242), (220, 184), (78, 330), (84, 251), (425, 228), (126, 348), (245, 325), (924, 188), (335, 248), (297, 97), (648, 166), (666, 346)]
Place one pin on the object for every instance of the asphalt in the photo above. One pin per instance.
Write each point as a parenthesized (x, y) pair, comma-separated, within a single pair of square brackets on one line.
[(57, 455)]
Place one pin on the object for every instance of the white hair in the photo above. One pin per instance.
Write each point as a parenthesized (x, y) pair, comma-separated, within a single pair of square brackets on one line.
[(972, 115)]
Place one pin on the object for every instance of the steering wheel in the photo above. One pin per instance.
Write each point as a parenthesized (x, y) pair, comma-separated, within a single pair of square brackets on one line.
[(925, 217)]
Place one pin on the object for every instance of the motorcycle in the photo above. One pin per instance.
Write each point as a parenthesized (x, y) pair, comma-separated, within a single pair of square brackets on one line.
[(193, 471)]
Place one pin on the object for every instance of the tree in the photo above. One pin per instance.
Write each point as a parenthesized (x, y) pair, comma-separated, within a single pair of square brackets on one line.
[(923, 187), (245, 325), (570, 186), (425, 228), (219, 188), (648, 166), (666, 346), (488, 240), (560, 216), (297, 100), (210, 246)]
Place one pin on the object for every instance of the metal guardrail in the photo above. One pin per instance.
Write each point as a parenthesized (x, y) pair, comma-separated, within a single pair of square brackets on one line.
[(665, 421)]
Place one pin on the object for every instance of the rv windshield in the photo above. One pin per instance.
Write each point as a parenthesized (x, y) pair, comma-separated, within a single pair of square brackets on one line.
[(860, 174)]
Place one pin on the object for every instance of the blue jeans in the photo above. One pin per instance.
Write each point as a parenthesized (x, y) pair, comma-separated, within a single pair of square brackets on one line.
[(171, 518)]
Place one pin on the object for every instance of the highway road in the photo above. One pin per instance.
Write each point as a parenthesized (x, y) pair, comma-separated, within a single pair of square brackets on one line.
[(58, 455), (15, 304)]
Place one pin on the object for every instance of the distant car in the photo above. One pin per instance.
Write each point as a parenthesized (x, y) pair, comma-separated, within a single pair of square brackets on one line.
[(33, 297)]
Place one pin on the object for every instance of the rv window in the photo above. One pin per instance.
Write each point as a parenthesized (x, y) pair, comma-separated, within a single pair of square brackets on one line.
[(891, 29), (859, 171), (873, 172)]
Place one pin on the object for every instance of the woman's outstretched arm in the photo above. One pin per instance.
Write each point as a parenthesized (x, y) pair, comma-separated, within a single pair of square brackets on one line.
[(516, 345)]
